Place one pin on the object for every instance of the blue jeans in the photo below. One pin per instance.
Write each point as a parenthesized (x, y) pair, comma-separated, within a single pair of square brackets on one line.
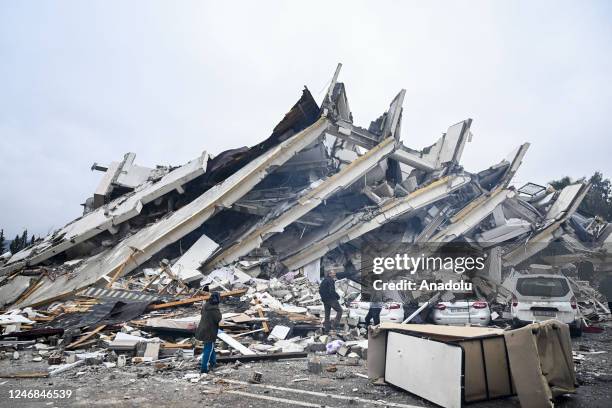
[(209, 357)]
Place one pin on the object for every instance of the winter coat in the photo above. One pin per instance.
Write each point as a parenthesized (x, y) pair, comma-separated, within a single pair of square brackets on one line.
[(209, 323), (327, 290), (605, 287)]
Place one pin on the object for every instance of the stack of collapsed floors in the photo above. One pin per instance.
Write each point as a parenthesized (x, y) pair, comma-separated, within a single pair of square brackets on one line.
[(307, 200)]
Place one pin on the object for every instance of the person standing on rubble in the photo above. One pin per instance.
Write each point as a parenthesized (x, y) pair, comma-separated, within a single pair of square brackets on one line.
[(605, 287), (376, 306), (207, 331), (329, 297)]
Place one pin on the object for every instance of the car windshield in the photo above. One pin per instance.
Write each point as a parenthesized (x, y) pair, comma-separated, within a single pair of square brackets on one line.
[(547, 287)]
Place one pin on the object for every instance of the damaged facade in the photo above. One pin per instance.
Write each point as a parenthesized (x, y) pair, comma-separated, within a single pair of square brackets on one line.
[(263, 224)]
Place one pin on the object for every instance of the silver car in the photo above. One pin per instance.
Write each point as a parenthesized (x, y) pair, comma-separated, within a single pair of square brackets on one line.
[(462, 312)]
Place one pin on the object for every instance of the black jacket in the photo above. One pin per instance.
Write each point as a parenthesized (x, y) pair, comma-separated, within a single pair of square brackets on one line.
[(605, 287), (327, 290), (209, 323)]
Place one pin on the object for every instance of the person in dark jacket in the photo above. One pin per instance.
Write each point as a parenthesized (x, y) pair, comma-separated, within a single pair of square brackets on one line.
[(329, 297), (605, 288), (207, 331), (374, 310)]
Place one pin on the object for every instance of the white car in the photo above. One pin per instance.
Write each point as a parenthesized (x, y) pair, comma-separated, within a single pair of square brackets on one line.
[(462, 312), (391, 312), (542, 297)]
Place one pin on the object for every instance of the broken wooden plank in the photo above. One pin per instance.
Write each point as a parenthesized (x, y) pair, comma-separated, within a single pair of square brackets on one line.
[(26, 374), (153, 279), (262, 357), (121, 268), (66, 367), (177, 346), (43, 319), (33, 288), (261, 314), (235, 344), (241, 318), (16, 343), (195, 299), (247, 333), (85, 337)]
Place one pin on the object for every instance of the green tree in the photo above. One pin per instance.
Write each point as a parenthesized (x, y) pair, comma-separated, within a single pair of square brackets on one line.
[(20, 242), (15, 245), (24, 239), (2, 242), (559, 184), (598, 201)]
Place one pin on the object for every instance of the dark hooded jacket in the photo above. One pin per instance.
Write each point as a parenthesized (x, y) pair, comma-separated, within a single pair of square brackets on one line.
[(605, 287), (327, 290), (209, 323)]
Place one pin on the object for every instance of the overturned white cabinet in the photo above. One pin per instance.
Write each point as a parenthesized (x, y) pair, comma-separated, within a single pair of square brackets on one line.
[(449, 366)]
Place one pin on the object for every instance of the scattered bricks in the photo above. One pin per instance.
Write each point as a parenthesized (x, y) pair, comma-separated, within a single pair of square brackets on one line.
[(55, 359), (315, 366), (162, 366), (331, 369), (121, 360), (256, 378), (138, 360)]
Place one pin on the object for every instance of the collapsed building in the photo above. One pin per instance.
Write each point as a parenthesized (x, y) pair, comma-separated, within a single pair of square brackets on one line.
[(306, 198), (267, 222)]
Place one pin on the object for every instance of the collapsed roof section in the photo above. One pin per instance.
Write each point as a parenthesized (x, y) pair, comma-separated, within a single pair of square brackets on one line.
[(307, 197), (108, 218), (138, 248), (120, 177)]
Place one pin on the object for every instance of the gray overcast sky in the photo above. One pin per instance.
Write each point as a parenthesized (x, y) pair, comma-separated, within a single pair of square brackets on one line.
[(84, 81)]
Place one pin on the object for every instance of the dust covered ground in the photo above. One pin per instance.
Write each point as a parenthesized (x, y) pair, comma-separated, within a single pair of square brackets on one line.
[(284, 383)]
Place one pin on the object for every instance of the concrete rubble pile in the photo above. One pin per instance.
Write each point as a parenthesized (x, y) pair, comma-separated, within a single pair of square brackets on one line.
[(262, 225)]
